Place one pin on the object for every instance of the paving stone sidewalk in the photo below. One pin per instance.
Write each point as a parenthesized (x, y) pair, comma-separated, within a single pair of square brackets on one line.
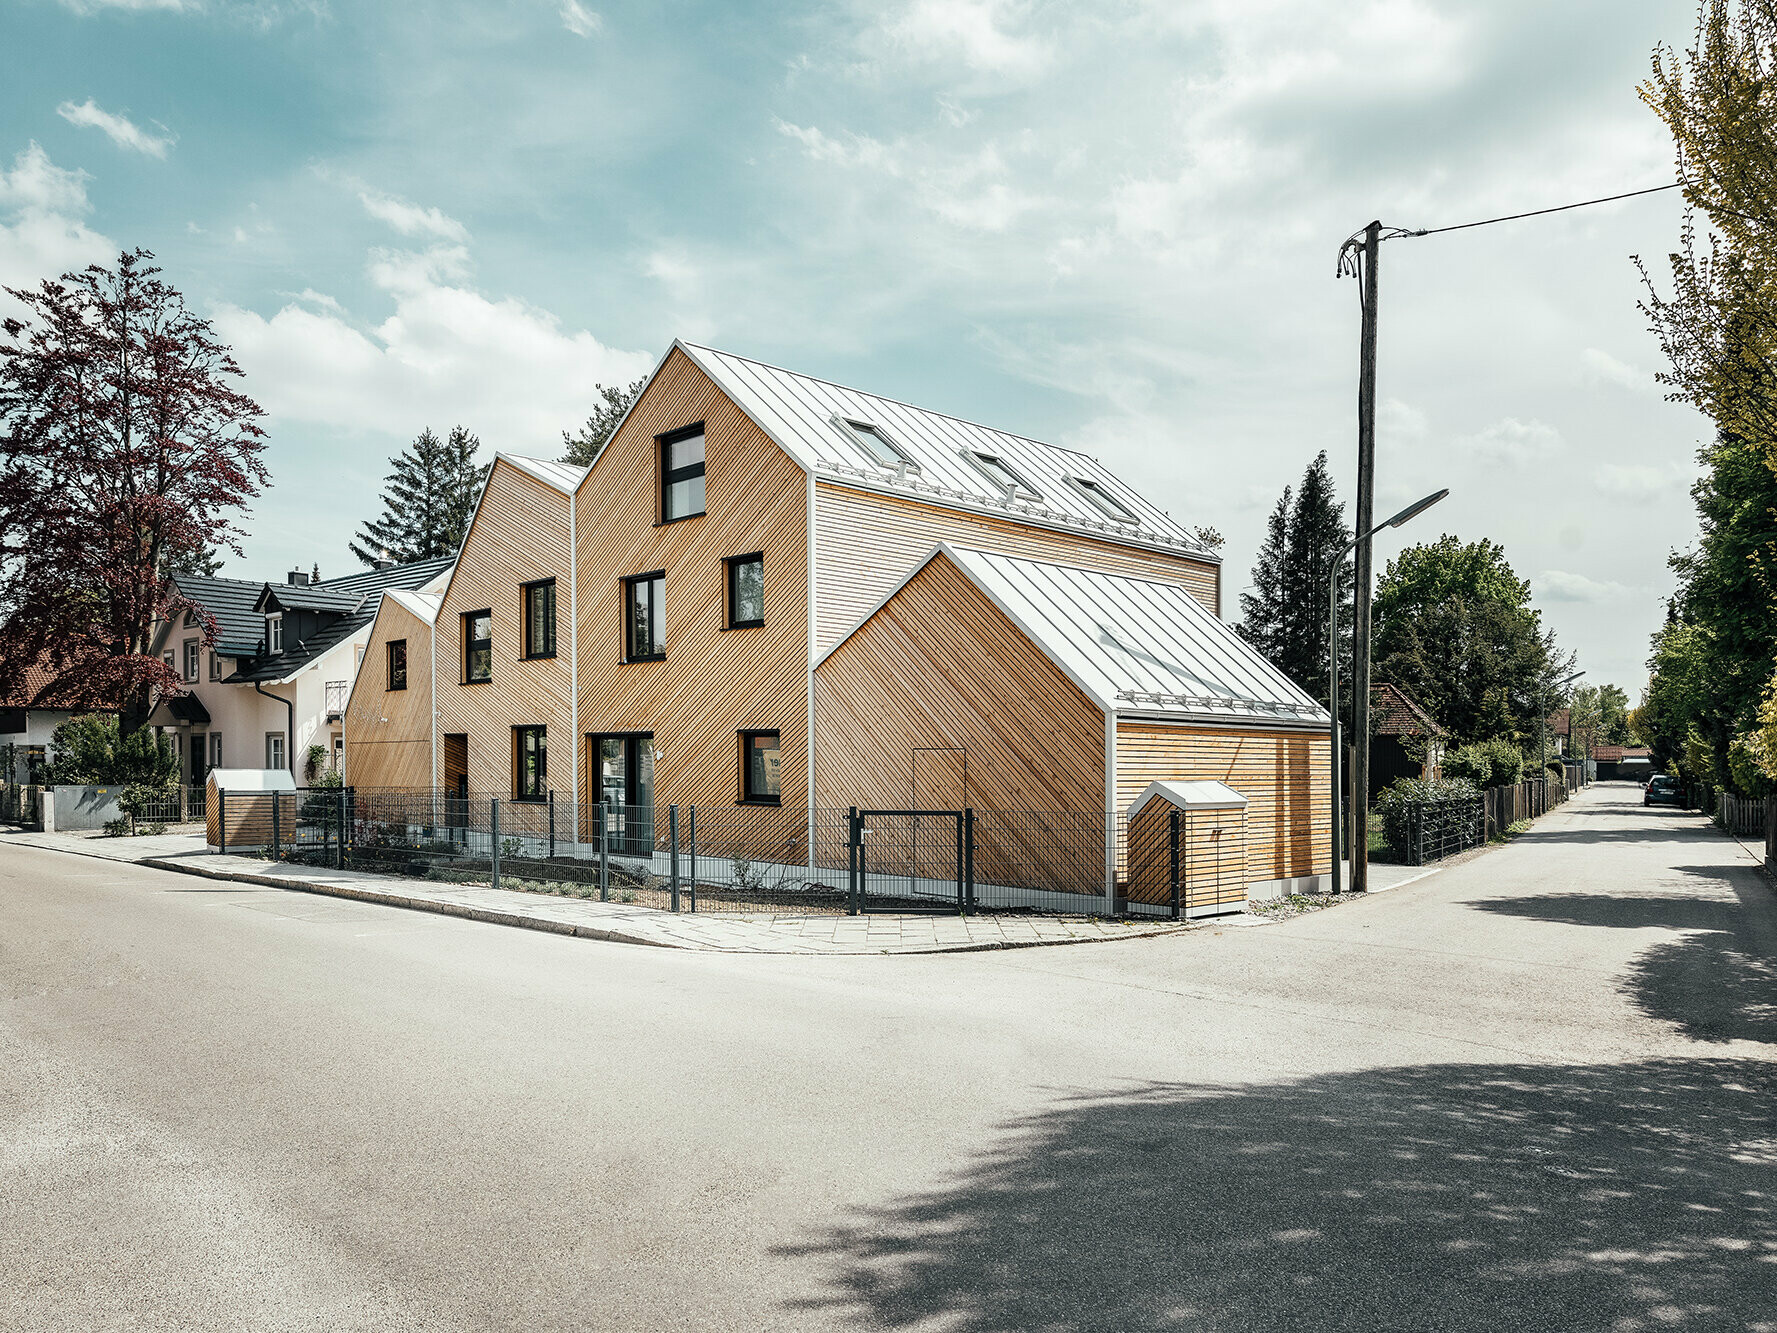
[(626, 923)]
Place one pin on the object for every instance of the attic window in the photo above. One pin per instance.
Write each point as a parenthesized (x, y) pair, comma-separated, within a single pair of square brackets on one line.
[(274, 634), (1002, 474), (1102, 500), (877, 446)]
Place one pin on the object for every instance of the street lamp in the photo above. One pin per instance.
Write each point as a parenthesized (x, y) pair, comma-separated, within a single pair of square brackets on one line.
[(1542, 728), (1413, 510)]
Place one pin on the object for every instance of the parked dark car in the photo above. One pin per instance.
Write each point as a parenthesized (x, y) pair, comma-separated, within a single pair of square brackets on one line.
[(1662, 789)]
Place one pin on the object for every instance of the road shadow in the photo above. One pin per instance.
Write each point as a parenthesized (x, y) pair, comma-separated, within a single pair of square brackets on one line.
[(1518, 1197), (1717, 983)]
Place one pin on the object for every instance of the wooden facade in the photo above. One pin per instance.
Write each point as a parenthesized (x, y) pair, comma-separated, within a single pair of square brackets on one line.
[(388, 733), (1212, 861), (519, 536), (867, 542), (713, 682), (1284, 775)]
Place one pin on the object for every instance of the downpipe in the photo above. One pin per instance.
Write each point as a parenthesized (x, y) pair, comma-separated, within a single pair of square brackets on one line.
[(290, 730)]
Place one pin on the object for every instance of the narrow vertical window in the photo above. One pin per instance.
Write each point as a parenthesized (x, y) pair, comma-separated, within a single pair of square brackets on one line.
[(539, 619), (215, 749), (274, 635), (191, 659), (397, 664), (758, 767), (274, 750), (215, 666), (478, 645), (643, 637), (746, 590), (681, 474), (530, 763)]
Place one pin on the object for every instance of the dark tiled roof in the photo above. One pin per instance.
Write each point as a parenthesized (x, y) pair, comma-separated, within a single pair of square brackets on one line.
[(366, 589), (188, 708), (284, 597), (1397, 715), (231, 601)]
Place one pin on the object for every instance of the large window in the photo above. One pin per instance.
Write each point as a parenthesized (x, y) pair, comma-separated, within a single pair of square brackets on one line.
[(191, 659), (274, 635), (746, 590), (758, 767), (681, 474), (530, 763), (397, 664), (539, 619), (478, 645), (643, 640)]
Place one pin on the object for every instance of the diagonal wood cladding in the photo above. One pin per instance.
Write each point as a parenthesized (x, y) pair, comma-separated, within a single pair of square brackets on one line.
[(396, 752)]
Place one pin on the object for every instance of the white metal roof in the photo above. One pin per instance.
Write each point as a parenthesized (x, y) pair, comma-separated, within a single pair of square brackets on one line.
[(1190, 794), (423, 605), (563, 476), (251, 779), (805, 416), (1137, 647)]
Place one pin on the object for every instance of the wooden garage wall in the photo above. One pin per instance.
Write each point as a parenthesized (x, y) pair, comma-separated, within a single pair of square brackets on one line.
[(1284, 776), (714, 682), (866, 543), (520, 535), (396, 753), (941, 665)]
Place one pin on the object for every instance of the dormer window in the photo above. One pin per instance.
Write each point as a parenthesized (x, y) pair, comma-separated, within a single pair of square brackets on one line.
[(1002, 474), (274, 634), (1102, 500), (877, 446)]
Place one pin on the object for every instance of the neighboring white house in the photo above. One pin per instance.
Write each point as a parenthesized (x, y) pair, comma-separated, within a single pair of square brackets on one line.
[(276, 678)]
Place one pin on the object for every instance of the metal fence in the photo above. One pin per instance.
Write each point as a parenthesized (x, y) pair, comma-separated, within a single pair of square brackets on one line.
[(21, 803), (177, 805), (746, 858), (1519, 801), (1443, 827)]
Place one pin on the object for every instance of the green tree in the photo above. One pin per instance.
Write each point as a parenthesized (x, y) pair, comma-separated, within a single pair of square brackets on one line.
[(1262, 610), (89, 750), (583, 447), (429, 498)]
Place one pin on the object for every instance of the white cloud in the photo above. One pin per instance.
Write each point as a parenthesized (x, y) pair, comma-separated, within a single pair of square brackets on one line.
[(1603, 368), (43, 229), (1513, 441), (1558, 585), (411, 219), (121, 130), (94, 6), (980, 35), (445, 353), (580, 20), (1639, 483)]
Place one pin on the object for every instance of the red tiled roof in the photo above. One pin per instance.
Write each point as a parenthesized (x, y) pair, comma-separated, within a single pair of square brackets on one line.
[(1611, 754), (1559, 722), (36, 680), (1397, 715)]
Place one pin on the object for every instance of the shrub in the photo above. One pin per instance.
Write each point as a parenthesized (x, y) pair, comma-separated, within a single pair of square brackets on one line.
[(117, 828), (1494, 763), (1746, 761), (1395, 804), (87, 751)]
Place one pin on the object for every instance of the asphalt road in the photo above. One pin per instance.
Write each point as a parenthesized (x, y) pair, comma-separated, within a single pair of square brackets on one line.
[(1535, 1091)]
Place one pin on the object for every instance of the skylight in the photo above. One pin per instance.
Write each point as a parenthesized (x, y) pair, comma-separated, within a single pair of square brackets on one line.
[(1002, 474), (1102, 500), (877, 446)]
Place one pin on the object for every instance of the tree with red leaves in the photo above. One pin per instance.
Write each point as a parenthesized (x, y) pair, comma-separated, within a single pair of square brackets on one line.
[(125, 450)]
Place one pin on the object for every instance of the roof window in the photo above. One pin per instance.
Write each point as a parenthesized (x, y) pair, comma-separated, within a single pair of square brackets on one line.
[(1102, 500), (1002, 474), (877, 446)]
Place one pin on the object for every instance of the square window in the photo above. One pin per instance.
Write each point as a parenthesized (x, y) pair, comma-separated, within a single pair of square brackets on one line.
[(539, 619), (530, 763), (397, 664), (681, 474), (746, 590), (758, 767), (643, 637), (478, 646)]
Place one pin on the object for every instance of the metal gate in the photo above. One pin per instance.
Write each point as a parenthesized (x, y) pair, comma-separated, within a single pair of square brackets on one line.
[(911, 861)]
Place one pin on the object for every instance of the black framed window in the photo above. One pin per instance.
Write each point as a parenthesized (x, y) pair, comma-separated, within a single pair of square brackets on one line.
[(758, 767), (643, 636), (539, 618), (746, 590), (681, 474), (478, 645), (397, 664), (530, 763)]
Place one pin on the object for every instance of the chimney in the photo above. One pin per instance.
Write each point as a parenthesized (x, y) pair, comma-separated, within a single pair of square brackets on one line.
[(298, 579), (384, 562)]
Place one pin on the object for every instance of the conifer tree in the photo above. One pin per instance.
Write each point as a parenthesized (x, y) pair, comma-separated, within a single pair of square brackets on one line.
[(428, 501), (1261, 610), (584, 445), (1317, 535)]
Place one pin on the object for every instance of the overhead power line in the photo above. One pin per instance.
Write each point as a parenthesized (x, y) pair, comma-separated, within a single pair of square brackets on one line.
[(1539, 212)]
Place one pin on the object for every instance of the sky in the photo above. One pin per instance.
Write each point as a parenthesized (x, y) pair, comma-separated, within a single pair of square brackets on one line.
[(1112, 226)]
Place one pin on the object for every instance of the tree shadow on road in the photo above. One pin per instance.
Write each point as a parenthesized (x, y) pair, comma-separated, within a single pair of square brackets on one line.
[(1516, 1197)]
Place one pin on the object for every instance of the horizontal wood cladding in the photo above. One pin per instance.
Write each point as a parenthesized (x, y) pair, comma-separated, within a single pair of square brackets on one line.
[(1284, 776), (520, 536), (940, 666), (866, 543), (396, 752), (1212, 857), (714, 682)]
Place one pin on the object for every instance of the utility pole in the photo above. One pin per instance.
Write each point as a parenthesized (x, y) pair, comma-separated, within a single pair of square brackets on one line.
[(1362, 567)]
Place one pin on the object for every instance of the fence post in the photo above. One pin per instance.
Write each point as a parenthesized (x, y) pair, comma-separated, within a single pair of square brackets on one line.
[(493, 823), (1173, 867), (672, 860), (853, 863), (961, 901), (604, 851), (691, 834), (969, 853), (221, 822), (552, 826)]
